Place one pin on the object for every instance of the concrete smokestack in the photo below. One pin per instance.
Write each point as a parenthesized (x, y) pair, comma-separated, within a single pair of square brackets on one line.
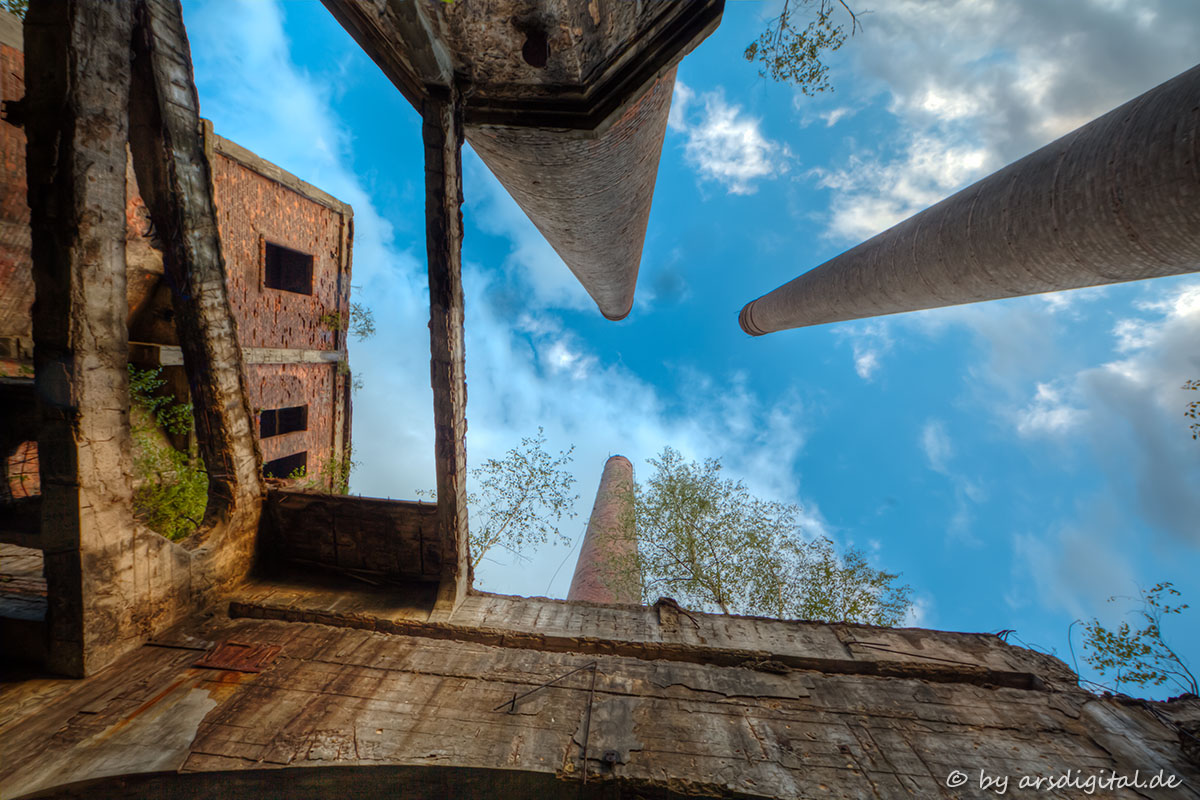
[(604, 543), (1116, 200), (589, 196)]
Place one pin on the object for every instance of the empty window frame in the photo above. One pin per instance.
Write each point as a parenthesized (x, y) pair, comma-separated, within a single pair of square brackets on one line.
[(289, 270), (278, 421), (295, 464)]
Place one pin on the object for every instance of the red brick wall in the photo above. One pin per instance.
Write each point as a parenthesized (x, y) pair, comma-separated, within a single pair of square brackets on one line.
[(283, 385), (251, 209), (24, 479), (16, 277)]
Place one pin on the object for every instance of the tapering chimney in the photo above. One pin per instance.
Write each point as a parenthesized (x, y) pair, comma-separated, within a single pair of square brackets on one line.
[(605, 559), (1116, 200)]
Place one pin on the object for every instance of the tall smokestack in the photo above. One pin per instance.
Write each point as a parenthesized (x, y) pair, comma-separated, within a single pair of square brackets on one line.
[(605, 544), (1117, 200)]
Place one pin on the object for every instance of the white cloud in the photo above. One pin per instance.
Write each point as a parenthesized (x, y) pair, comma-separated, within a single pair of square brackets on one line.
[(872, 194), (870, 340), (919, 614), (1074, 568), (723, 144), (936, 445), (976, 85), (1136, 424), (836, 115), (1047, 414), (939, 451)]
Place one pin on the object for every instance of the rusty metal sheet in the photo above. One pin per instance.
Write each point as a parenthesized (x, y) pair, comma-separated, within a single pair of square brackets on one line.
[(240, 656)]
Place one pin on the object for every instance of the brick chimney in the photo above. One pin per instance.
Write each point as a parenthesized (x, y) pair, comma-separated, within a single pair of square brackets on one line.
[(604, 542)]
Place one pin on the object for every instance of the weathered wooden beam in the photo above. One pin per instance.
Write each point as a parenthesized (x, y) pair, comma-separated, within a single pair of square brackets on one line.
[(442, 131), (167, 141), (171, 356)]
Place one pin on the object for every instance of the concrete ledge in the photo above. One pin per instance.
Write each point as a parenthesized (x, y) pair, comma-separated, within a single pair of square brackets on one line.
[(268, 170)]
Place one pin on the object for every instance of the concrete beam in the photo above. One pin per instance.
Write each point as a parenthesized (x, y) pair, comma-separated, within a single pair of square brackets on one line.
[(171, 356), (1116, 200)]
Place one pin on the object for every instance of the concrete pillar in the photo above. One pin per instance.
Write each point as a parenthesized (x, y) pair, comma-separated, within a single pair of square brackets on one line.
[(605, 571), (102, 572), (1116, 200), (171, 160), (442, 131)]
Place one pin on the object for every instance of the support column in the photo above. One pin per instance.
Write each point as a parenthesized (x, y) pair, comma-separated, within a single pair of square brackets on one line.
[(442, 131), (606, 571), (77, 79), (1116, 200), (168, 144)]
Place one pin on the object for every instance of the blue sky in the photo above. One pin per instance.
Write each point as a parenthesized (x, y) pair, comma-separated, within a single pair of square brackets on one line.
[(1017, 461)]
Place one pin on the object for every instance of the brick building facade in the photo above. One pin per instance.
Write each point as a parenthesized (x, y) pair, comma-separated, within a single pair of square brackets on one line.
[(287, 250)]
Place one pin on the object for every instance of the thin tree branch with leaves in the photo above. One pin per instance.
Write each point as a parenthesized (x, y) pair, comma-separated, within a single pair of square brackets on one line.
[(789, 54)]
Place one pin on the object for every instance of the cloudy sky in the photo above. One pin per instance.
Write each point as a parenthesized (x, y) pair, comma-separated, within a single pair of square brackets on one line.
[(1017, 461)]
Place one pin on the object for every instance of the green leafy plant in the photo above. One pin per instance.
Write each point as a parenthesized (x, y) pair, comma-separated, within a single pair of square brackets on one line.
[(1140, 656), (791, 54), (360, 321), (707, 542), (519, 500), (171, 486), (15, 7), (333, 478), (1193, 409)]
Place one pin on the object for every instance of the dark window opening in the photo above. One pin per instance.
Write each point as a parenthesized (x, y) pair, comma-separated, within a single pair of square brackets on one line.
[(289, 270), (278, 421), (295, 464)]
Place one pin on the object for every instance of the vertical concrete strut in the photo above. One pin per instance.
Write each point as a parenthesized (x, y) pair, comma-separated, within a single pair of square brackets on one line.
[(175, 178), (442, 132), (1116, 200), (606, 569), (77, 82)]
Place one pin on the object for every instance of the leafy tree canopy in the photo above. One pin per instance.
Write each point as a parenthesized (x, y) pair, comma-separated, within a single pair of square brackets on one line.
[(791, 54), (1193, 409), (707, 542), (1138, 654), (518, 501)]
